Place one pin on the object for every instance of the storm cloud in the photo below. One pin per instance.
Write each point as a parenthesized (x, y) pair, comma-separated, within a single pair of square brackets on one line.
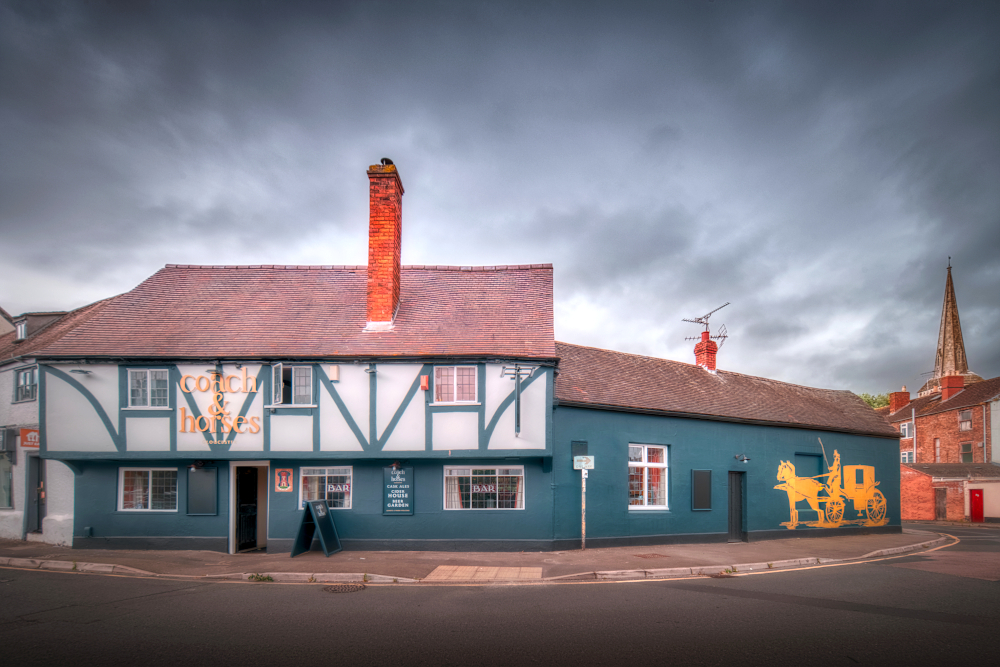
[(815, 164)]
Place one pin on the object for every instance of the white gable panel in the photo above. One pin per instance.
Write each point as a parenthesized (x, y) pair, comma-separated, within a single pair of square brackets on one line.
[(533, 407), (71, 423), (147, 434), (410, 432), (456, 430), (291, 433), (354, 390)]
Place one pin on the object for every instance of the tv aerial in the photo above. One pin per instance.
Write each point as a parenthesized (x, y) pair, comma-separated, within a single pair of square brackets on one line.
[(720, 335)]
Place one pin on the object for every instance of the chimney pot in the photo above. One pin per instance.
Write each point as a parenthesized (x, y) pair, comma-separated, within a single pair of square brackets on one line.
[(898, 400)]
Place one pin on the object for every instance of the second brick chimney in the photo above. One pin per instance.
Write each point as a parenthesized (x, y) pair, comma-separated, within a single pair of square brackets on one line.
[(951, 385), (385, 219), (898, 400), (705, 351)]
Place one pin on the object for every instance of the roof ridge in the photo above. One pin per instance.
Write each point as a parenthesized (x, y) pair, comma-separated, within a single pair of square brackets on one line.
[(361, 267)]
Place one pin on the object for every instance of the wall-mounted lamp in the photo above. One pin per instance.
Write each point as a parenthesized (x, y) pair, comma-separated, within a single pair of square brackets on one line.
[(742, 458), (80, 371)]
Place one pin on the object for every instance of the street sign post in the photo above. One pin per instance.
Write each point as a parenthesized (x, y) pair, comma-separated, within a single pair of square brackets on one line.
[(583, 464)]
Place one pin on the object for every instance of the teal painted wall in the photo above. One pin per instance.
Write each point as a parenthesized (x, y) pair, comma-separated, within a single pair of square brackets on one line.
[(697, 444), (96, 498)]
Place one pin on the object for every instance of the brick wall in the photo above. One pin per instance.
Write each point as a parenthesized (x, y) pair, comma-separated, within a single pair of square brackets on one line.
[(944, 425), (956, 499), (916, 495), (384, 241)]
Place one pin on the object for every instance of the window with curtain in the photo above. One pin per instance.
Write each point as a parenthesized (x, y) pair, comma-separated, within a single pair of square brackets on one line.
[(647, 477), (484, 488)]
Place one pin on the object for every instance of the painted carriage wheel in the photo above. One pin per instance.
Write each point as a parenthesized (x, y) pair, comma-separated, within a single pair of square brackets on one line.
[(834, 509), (876, 507)]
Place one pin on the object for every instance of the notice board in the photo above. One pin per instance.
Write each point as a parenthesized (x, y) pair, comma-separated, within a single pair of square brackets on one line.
[(317, 519), (397, 490)]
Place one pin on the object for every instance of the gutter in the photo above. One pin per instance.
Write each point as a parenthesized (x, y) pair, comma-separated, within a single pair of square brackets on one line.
[(721, 418)]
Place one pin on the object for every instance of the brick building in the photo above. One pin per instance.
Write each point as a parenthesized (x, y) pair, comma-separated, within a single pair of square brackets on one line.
[(948, 448)]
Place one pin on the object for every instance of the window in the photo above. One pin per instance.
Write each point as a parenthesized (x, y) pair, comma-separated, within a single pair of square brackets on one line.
[(965, 420), (20, 331), (484, 488), (330, 484), (906, 429), (937, 450), (147, 489), (455, 384), (906, 457), (647, 477), (26, 384), (291, 385), (148, 388), (966, 452), (6, 481)]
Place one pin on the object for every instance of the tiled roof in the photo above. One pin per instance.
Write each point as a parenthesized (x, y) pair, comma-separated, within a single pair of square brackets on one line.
[(957, 470), (48, 334), (590, 377), (320, 311), (973, 394), (882, 411)]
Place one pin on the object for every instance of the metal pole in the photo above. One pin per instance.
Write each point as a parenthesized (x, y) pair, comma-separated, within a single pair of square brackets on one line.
[(517, 401), (583, 509)]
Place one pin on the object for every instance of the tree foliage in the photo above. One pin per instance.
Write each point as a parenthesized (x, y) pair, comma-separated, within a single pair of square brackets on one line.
[(875, 400)]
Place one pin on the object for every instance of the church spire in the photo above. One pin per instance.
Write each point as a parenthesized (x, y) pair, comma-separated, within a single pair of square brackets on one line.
[(950, 358)]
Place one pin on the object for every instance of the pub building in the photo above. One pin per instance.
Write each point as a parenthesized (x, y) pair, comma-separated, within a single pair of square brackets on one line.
[(431, 408)]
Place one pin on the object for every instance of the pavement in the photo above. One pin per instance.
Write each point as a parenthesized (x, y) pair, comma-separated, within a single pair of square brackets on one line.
[(428, 567)]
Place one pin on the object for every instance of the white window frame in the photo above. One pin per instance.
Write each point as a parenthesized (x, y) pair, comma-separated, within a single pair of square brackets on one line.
[(460, 471), (18, 398), (278, 385), (646, 465), (965, 424), (20, 330), (904, 457), (149, 471), (328, 472), (149, 388), (906, 430), (454, 386)]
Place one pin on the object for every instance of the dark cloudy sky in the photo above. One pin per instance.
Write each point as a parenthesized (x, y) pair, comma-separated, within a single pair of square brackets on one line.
[(813, 163)]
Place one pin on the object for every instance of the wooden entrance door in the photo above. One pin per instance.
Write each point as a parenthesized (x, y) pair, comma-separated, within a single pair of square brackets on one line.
[(940, 504), (36, 494), (246, 508), (737, 532)]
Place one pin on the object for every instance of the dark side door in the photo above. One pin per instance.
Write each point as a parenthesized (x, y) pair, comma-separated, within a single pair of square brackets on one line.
[(246, 508)]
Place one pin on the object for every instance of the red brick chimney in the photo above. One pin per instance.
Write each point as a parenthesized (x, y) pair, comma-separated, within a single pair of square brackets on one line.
[(704, 352), (898, 400), (951, 385), (385, 218)]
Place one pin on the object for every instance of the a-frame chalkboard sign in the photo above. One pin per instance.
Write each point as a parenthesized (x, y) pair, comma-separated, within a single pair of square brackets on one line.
[(317, 519)]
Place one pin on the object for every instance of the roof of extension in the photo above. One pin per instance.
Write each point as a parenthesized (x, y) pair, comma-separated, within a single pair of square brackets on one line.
[(10, 348), (266, 312), (973, 394), (957, 470), (591, 377)]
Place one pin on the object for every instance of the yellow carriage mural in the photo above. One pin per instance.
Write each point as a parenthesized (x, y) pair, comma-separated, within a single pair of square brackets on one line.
[(829, 498)]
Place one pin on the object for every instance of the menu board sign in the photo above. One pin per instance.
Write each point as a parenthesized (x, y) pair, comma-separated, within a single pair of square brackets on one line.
[(397, 490)]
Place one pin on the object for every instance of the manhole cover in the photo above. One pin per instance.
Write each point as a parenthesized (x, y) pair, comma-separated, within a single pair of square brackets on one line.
[(344, 588), (649, 555)]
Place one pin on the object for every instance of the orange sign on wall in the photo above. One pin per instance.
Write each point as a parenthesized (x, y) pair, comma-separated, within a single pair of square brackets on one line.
[(29, 437)]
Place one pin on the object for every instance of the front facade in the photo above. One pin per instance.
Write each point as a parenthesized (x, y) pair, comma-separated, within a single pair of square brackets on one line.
[(431, 408)]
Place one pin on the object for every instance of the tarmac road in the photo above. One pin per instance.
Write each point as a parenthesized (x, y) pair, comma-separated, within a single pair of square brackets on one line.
[(941, 607)]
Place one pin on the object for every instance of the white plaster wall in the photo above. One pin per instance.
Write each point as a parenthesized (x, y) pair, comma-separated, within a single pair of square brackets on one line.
[(532, 434), (354, 390), (71, 423), (13, 414), (456, 430), (101, 381), (394, 380), (334, 433), (497, 389), (12, 520), (147, 434), (991, 498), (57, 526), (410, 433), (291, 433)]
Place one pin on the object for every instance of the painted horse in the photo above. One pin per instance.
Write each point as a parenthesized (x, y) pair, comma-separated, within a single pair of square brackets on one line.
[(799, 488)]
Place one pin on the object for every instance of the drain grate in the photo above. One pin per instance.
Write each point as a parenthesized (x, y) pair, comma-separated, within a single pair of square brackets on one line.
[(649, 555), (344, 588)]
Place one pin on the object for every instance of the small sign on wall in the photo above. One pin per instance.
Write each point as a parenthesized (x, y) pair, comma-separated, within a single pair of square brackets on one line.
[(29, 438), (282, 480), (397, 490), (583, 463)]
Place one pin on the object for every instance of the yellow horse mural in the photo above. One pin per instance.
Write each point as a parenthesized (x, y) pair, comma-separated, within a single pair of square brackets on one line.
[(854, 483)]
